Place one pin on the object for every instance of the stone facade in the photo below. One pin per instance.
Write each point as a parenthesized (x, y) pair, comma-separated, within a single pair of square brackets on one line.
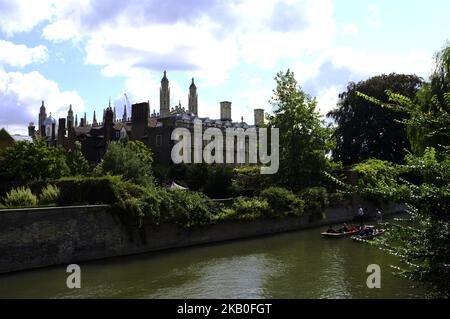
[(154, 129)]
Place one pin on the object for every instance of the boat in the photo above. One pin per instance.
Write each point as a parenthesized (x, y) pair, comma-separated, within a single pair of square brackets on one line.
[(339, 235), (375, 233)]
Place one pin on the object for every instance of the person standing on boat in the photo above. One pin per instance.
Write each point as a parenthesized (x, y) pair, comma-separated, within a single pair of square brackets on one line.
[(380, 215), (361, 215)]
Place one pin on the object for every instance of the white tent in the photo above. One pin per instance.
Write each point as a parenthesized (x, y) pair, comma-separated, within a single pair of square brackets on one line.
[(174, 185)]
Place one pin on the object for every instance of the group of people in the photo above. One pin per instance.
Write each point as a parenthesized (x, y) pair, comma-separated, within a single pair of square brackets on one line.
[(361, 228), (344, 229)]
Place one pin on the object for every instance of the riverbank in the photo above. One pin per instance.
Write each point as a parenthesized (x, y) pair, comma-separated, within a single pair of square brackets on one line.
[(40, 237)]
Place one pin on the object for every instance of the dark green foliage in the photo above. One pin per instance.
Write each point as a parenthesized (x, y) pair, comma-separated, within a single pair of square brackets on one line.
[(88, 190), (76, 161), (247, 209), (315, 199), (219, 181), (248, 180), (130, 159), (26, 162), (283, 202), (303, 137), (187, 209), (197, 176), (366, 131)]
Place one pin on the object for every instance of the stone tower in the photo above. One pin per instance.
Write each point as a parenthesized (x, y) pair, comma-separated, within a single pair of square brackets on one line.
[(124, 116), (140, 113), (164, 96), (193, 98), (42, 117), (70, 119), (259, 116), (225, 111)]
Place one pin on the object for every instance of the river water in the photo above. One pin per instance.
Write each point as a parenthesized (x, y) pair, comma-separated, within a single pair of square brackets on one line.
[(291, 265)]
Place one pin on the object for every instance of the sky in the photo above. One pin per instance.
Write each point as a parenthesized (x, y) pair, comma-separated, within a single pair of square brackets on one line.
[(85, 52)]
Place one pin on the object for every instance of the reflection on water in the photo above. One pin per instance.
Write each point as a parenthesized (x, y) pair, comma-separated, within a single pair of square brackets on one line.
[(292, 265)]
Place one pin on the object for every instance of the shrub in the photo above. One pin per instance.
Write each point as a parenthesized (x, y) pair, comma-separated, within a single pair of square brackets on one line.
[(248, 209), (187, 209), (50, 195), (20, 197), (248, 180), (88, 190), (218, 184), (283, 202), (315, 198)]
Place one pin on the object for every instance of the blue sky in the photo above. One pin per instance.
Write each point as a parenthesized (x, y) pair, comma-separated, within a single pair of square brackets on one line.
[(83, 52)]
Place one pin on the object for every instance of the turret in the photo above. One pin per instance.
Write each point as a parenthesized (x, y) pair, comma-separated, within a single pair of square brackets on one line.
[(193, 98), (42, 118), (164, 96), (70, 120)]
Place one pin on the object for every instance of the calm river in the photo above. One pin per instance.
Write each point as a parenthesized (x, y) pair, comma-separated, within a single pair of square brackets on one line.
[(290, 265)]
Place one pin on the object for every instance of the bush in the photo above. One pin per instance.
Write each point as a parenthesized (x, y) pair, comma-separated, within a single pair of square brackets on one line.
[(248, 180), (50, 195), (375, 173), (20, 197), (132, 160), (283, 202), (218, 184), (187, 209), (315, 198), (87, 190), (247, 209)]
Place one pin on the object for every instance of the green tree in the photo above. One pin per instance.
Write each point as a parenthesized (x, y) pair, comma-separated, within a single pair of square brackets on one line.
[(26, 162), (303, 137), (366, 131), (423, 183), (130, 159), (76, 161), (432, 101)]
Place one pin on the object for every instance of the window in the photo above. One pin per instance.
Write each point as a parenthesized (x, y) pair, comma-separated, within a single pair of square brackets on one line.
[(158, 140)]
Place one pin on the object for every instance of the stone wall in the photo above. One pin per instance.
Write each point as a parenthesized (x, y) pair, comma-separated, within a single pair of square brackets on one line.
[(31, 238)]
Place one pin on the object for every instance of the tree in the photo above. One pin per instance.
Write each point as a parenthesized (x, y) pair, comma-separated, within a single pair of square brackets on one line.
[(130, 159), (76, 161), (366, 131), (303, 138), (26, 162), (423, 183), (432, 101)]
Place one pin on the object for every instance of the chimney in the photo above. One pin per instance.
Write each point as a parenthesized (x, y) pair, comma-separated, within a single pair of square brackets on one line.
[(31, 130), (259, 116), (61, 131), (225, 111)]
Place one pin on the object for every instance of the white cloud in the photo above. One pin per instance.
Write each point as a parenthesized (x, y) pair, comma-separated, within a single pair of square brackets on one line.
[(328, 98), (364, 63), (18, 55), (21, 95), (350, 28), (23, 15)]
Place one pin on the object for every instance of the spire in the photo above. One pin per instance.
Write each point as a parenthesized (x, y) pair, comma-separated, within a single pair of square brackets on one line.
[(124, 117), (76, 120), (164, 96), (109, 104), (94, 120), (193, 84)]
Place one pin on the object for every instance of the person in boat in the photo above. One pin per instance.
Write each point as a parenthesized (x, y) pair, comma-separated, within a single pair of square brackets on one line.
[(344, 229), (379, 215), (331, 230), (361, 215)]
